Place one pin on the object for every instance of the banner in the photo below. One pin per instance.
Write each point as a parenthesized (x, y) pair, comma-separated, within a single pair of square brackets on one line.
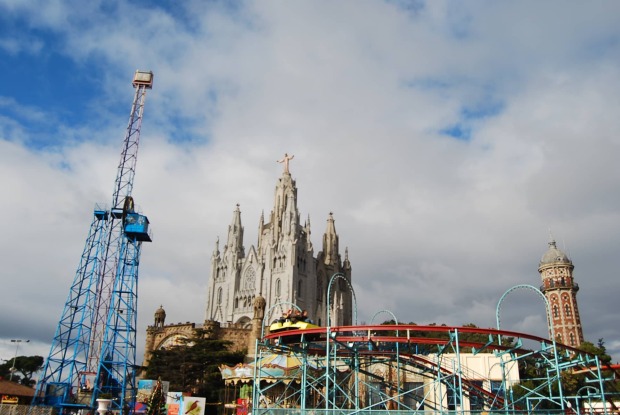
[(145, 387), (174, 401)]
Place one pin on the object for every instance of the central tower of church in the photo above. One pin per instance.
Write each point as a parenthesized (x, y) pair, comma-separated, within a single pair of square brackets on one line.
[(282, 268)]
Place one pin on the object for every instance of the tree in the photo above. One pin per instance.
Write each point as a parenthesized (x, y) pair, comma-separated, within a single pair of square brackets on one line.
[(598, 350), (193, 367), (157, 401), (25, 368)]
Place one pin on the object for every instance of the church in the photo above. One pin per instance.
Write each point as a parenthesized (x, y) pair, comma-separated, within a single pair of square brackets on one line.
[(254, 286), (282, 271)]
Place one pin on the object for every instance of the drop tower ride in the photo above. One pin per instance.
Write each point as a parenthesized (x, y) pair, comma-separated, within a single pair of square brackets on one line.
[(93, 352)]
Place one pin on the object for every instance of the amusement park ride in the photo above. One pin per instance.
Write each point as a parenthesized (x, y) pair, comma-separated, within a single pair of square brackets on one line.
[(406, 368), (93, 352)]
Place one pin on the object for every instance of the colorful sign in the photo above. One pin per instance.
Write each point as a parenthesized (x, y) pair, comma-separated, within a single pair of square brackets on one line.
[(145, 388), (174, 400), (193, 406)]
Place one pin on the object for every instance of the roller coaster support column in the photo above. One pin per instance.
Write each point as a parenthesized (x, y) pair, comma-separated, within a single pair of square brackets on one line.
[(397, 351), (552, 332), (255, 396), (600, 384), (329, 335), (459, 372)]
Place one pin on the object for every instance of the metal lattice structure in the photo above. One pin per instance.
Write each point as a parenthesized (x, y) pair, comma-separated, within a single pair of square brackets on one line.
[(94, 347), (364, 373), (406, 368)]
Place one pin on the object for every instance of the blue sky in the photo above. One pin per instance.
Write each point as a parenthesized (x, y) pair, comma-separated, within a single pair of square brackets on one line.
[(448, 138)]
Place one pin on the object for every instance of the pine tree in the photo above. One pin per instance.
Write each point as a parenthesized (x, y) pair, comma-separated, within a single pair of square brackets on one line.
[(193, 366)]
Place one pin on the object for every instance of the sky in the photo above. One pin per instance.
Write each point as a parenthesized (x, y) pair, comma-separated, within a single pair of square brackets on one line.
[(451, 140)]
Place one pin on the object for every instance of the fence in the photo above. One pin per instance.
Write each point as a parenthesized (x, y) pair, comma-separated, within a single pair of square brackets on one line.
[(25, 410)]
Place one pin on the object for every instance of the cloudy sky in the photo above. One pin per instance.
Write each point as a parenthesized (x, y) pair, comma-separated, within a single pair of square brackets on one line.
[(448, 138)]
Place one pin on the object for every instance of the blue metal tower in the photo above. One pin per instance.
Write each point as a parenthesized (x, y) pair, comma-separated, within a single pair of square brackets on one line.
[(94, 348)]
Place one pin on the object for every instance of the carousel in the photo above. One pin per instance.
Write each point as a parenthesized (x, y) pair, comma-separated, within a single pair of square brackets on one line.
[(279, 378)]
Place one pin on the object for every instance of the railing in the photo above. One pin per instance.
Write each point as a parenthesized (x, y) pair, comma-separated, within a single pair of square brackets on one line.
[(574, 285)]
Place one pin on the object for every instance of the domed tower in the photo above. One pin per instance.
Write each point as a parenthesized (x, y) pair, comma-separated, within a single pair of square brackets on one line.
[(152, 332), (160, 317), (558, 285)]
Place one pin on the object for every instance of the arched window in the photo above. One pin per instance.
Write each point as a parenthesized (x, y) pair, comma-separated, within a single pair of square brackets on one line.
[(219, 295), (556, 314), (572, 339), (250, 277), (278, 287), (567, 310)]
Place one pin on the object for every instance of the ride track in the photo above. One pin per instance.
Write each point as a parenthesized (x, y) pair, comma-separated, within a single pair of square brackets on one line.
[(417, 350)]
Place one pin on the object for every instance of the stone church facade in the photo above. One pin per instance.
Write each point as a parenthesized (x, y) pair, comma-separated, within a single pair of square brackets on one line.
[(282, 268), (281, 272)]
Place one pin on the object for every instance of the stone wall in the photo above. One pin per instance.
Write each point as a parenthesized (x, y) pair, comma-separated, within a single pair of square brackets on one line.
[(158, 336), (236, 335)]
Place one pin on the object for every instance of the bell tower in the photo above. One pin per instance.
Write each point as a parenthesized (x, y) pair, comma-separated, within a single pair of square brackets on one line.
[(560, 289)]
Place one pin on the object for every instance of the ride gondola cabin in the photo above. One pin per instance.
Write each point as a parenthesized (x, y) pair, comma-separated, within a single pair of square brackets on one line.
[(280, 326)]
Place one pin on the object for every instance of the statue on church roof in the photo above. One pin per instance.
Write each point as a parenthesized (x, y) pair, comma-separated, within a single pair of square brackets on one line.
[(285, 160)]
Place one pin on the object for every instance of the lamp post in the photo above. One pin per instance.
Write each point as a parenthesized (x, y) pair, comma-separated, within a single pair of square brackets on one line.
[(17, 342)]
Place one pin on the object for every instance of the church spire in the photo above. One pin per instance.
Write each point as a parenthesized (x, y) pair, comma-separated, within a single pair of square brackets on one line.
[(284, 216), (261, 226), (216, 251), (235, 234), (330, 242), (308, 240)]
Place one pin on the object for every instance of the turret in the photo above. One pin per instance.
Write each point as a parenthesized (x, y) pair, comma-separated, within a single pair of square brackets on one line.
[(346, 264), (160, 317), (234, 243), (308, 239), (216, 251), (330, 243), (261, 226)]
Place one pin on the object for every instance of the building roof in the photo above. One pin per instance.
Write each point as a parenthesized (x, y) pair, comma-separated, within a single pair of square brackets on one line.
[(15, 389), (554, 255)]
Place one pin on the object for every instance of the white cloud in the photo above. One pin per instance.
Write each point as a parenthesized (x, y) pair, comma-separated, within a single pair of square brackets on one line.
[(437, 228)]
